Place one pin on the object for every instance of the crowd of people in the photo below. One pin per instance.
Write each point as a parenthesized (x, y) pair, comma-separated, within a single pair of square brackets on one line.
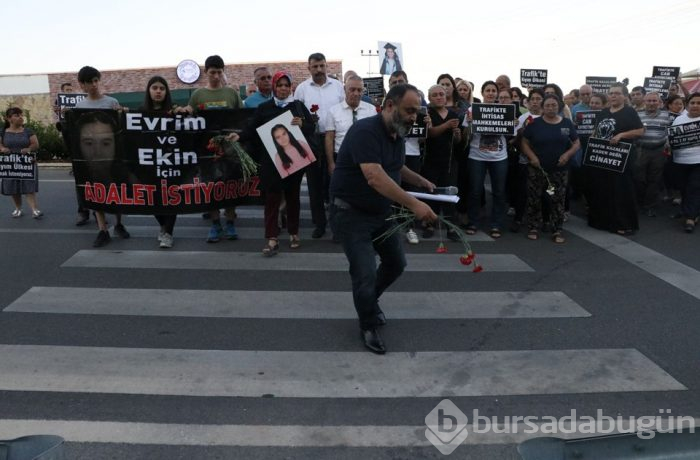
[(534, 172)]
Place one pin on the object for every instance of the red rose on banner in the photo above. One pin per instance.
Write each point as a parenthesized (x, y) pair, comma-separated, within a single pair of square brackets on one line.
[(314, 108)]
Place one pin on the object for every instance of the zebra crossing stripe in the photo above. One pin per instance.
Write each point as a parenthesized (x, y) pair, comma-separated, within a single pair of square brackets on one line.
[(326, 374), (285, 261), (292, 304)]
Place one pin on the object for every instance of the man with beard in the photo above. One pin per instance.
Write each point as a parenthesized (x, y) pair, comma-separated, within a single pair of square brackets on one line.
[(364, 185)]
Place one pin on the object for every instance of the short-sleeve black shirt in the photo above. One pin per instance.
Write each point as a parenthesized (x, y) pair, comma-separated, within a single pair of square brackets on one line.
[(367, 141)]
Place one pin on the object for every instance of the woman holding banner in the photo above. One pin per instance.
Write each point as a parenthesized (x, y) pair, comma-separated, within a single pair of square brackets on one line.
[(487, 153), (271, 182), (686, 162), (158, 99), (611, 194), (15, 138)]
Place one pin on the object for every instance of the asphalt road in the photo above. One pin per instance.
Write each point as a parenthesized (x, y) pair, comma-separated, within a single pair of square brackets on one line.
[(211, 351)]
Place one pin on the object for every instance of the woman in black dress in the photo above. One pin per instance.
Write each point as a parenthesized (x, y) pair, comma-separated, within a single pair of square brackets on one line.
[(611, 195)]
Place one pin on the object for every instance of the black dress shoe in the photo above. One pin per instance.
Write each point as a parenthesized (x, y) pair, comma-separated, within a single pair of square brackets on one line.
[(381, 318), (318, 232), (373, 341)]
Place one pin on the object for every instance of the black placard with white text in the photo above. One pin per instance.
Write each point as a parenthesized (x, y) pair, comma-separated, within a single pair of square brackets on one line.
[(533, 78), (659, 85), (418, 129), (493, 119), (65, 101), (585, 122), (17, 165), (600, 153), (374, 88), (600, 84), (662, 71), (155, 163), (685, 135)]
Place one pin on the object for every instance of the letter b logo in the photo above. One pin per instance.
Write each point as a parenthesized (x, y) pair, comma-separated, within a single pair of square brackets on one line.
[(446, 427)]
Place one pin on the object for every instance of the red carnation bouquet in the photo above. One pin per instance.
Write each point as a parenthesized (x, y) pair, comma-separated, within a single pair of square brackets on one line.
[(224, 148)]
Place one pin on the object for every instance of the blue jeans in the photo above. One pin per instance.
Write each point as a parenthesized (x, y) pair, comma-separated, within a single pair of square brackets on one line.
[(358, 233), (498, 171)]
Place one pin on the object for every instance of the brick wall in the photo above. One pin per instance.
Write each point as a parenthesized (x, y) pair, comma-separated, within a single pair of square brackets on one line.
[(134, 80)]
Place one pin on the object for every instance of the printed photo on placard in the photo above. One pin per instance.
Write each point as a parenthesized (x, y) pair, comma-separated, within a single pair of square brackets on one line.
[(390, 57), (286, 145)]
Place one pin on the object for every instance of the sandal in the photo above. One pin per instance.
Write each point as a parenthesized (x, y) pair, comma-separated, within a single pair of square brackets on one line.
[(294, 241), (471, 230), (533, 234), (495, 233), (558, 238), (272, 248)]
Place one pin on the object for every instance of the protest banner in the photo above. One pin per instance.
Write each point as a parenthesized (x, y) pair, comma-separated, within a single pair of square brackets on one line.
[(65, 101), (17, 165), (533, 78), (600, 84), (665, 71), (494, 119), (659, 85), (156, 163), (374, 88), (600, 153), (685, 135), (585, 122)]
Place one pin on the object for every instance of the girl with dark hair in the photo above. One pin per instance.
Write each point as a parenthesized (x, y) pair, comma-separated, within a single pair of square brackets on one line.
[(158, 99), (453, 101), (291, 153), (279, 183), (15, 138), (391, 62)]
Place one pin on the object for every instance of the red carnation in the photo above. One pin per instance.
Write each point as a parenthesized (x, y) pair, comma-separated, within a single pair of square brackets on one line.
[(441, 249), (379, 109), (477, 268), (314, 108), (201, 107), (466, 259)]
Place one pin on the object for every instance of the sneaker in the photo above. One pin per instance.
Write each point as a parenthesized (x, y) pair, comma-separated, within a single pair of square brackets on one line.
[(17, 213), (161, 235), (36, 214), (428, 232), (215, 233), (102, 239), (412, 237), (121, 232), (231, 231), (166, 241)]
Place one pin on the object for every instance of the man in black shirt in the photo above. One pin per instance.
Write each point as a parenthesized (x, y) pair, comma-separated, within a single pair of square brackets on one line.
[(364, 185)]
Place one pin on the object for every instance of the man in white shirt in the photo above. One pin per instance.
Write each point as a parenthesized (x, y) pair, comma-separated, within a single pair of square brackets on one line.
[(323, 92), (342, 116)]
